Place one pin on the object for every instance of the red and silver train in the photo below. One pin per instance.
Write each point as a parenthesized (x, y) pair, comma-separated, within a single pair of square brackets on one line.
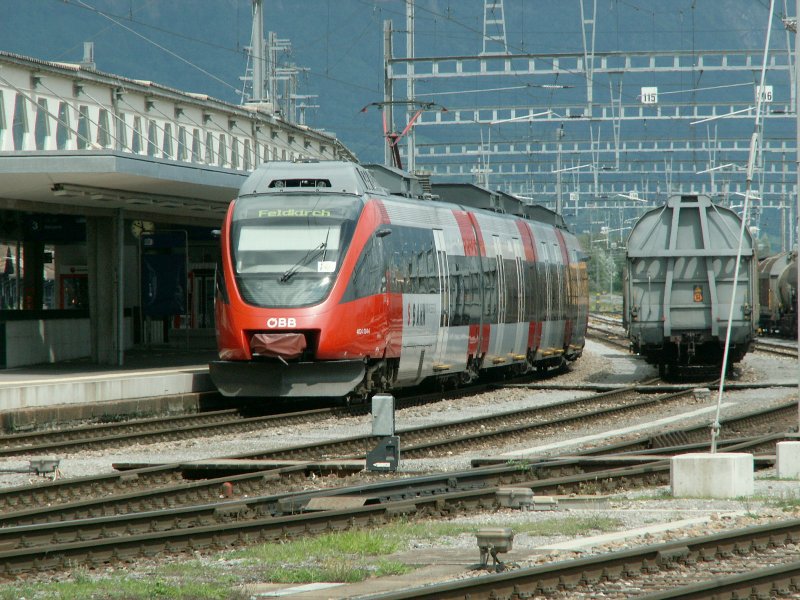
[(329, 286)]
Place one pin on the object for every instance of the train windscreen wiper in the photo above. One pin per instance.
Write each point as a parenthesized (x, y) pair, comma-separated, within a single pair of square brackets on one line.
[(310, 255)]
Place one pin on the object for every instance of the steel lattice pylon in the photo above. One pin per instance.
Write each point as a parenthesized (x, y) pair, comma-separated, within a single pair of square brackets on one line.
[(494, 20), (604, 129)]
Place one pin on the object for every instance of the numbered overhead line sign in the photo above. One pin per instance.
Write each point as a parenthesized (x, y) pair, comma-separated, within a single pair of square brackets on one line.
[(765, 94), (649, 95)]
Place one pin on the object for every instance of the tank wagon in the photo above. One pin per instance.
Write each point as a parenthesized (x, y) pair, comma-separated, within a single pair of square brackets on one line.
[(678, 288), (329, 286), (777, 294)]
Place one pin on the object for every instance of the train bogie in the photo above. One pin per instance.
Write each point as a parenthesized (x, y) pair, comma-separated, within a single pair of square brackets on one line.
[(329, 286), (679, 284)]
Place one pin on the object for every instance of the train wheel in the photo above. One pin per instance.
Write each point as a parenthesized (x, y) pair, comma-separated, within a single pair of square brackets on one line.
[(354, 399), (541, 369)]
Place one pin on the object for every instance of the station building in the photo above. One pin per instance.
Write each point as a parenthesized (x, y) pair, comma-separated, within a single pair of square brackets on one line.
[(111, 190)]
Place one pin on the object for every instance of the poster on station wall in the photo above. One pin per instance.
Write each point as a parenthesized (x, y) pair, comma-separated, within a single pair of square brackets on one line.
[(164, 273)]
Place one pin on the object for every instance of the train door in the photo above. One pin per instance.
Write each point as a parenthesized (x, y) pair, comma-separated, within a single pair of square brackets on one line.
[(501, 298), (521, 339), (443, 271), (547, 327), (561, 285)]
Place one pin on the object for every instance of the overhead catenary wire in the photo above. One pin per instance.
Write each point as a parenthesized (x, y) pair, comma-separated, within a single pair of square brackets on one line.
[(159, 46), (512, 47), (623, 96), (116, 19)]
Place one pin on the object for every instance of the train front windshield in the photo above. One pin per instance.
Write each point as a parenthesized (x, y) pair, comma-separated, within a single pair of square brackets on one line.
[(287, 251)]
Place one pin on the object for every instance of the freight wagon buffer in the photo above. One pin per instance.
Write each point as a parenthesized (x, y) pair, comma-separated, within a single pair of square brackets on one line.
[(679, 285)]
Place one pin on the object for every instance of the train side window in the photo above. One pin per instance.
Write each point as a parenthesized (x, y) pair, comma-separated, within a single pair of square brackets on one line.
[(414, 271), (543, 291), (432, 271), (455, 286), (511, 291), (530, 291), (490, 288), (220, 289), (369, 274)]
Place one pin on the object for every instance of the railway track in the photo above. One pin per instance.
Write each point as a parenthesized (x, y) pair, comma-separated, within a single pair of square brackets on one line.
[(222, 422), (609, 331), (606, 319), (141, 512), (608, 336), (143, 431), (753, 562), (162, 484), (151, 487), (217, 525), (776, 348)]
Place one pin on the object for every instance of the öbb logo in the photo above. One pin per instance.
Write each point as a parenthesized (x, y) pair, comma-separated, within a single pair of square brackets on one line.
[(274, 322)]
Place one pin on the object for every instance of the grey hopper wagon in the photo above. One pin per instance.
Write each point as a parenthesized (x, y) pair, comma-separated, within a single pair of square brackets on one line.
[(777, 294), (679, 273)]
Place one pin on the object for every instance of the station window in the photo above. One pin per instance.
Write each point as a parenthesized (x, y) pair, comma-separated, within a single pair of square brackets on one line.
[(122, 132), (223, 151), (182, 149), (196, 152), (234, 152), (103, 129), (209, 158), (2, 115), (84, 138), (41, 129), (166, 148), (136, 147), (248, 162), (20, 126), (152, 138), (63, 129)]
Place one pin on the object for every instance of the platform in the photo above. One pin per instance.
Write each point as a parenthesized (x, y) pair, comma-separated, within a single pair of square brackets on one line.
[(152, 380)]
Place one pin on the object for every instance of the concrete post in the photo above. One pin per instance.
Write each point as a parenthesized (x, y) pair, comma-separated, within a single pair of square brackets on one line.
[(33, 275), (102, 250)]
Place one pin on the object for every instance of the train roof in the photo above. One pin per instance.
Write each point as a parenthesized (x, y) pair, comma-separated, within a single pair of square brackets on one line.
[(476, 196), (396, 181), (335, 176), (701, 228), (345, 177)]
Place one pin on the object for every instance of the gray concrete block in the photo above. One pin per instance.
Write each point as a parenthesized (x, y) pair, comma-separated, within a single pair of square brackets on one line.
[(787, 460), (707, 475)]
